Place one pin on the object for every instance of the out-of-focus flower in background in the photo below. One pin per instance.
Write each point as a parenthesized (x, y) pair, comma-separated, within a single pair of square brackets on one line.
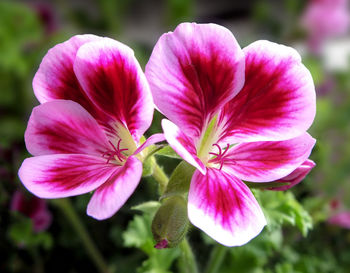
[(339, 216), (32, 207), (47, 16), (324, 19)]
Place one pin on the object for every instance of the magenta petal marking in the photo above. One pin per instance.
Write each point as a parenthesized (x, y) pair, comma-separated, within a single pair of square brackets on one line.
[(110, 196), (223, 207), (182, 144), (64, 127), (114, 81), (277, 101), (267, 161), (296, 176), (150, 141), (193, 72), (62, 175)]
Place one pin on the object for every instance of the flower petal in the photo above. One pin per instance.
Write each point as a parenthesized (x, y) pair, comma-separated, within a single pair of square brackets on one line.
[(62, 175), (55, 78), (296, 176), (194, 71), (113, 79), (110, 196), (223, 207), (277, 101), (63, 126), (182, 144), (150, 141), (267, 161)]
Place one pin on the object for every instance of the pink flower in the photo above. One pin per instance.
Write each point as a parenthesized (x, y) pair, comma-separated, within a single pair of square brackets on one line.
[(296, 176), (339, 216), (34, 208), (324, 19), (85, 136), (341, 219), (233, 114)]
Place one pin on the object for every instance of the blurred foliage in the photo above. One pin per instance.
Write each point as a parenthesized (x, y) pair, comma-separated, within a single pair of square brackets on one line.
[(138, 234), (26, 33)]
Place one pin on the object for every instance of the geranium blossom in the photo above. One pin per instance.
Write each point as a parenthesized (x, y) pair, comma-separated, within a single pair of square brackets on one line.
[(85, 135), (233, 114)]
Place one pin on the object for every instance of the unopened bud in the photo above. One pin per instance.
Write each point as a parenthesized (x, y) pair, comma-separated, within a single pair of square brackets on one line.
[(170, 223)]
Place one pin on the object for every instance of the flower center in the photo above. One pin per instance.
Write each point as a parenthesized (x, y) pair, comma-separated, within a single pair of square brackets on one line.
[(116, 153), (219, 157)]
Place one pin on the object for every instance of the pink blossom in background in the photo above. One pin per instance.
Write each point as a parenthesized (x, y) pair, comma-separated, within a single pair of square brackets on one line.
[(47, 16), (324, 19), (34, 208), (85, 135), (339, 216), (234, 115), (341, 219)]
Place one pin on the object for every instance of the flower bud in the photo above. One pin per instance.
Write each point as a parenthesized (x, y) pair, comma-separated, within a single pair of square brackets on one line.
[(170, 223)]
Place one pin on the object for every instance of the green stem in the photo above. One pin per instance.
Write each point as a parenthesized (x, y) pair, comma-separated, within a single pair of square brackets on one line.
[(187, 262), (160, 176), (216, 258), (66, 206)]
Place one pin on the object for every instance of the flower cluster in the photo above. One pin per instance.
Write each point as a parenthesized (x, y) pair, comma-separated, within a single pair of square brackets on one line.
[(235, 115)]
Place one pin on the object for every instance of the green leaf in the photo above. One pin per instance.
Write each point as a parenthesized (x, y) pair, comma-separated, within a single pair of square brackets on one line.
[(21, 231), (149, 207), (168, 152), (282, 208)]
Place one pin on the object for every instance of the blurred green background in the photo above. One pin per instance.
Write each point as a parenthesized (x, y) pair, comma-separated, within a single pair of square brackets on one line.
[(29, 28)]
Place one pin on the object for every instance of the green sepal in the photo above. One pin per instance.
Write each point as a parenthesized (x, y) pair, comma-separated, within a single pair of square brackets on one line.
[(147, 169), (179, 182), (170, 221)]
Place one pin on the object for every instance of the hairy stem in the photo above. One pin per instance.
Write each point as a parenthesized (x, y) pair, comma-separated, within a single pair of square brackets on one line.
[(66, 206), (187, 261), (216, 258), (160, 176)]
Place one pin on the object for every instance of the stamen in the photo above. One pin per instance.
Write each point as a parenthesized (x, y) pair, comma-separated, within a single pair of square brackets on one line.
[(219, 156), (116, 153)]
